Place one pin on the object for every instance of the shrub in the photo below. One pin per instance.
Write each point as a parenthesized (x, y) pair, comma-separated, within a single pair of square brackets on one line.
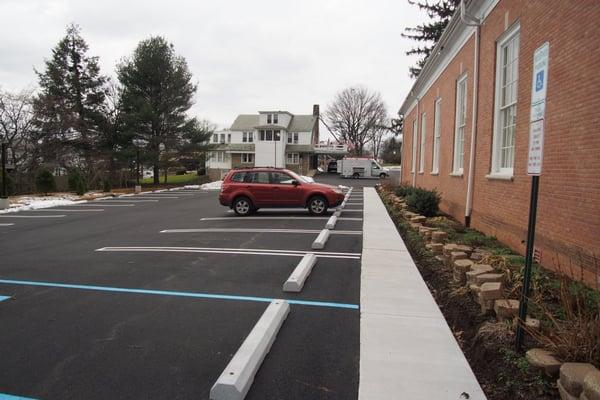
[(106, 185), (424, 202), (10, 185), (44, 181), (77, 182), (404, 190)]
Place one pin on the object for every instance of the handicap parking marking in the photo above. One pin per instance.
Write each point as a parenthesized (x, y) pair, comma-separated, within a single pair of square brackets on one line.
[(197, 295), (256, 230), (2, 298), (238, 251)]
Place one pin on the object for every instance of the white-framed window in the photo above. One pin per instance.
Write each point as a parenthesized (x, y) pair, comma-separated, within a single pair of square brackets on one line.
[(222, 138), (219, 156), (423, 138), (292, 137), (247, 158), (505, 107), (292, 158), (269, 135), (275, 118), (229, 138), (460, 125), (269, 118), (215, 138), (247, 137), (413, 166), (437, 135)]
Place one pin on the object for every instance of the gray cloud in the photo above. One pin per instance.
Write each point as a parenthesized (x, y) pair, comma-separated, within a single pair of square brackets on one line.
[(245, 55)]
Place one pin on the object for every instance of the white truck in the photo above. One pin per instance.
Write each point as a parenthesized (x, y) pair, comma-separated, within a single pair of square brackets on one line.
[(361, 167)]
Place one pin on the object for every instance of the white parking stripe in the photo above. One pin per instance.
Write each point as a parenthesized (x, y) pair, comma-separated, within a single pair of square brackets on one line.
[(221, 250), (154, 198), (6, 224), (102, 204), (68, 210), (118, 200), (252, 230), (274, 218), (32, 216)]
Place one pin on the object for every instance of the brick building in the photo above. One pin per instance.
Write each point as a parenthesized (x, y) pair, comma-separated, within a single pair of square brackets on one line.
[(467, 122)]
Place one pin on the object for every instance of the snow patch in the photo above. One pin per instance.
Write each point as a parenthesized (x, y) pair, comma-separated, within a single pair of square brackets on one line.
[(36, 202), (216, 185)]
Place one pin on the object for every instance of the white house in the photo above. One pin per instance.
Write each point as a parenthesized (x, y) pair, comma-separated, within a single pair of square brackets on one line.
[(269, 139)]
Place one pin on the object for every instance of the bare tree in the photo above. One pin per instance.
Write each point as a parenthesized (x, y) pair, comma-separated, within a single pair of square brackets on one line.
[(355, 117), (16, 125)]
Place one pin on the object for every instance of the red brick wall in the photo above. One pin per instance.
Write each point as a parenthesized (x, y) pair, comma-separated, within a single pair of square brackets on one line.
[(568, 228)]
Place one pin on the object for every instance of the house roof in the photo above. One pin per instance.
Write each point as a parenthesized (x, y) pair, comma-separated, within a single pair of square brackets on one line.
[(299, 123)]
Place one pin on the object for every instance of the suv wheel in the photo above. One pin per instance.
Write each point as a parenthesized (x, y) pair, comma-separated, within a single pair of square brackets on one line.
[(317, 205), (383, 175), (242, 206)]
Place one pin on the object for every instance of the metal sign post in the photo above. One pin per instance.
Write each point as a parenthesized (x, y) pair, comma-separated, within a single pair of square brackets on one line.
[(534, 169)]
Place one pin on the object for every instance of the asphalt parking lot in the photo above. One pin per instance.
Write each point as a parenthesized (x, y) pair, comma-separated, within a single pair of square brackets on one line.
[(150, 296)]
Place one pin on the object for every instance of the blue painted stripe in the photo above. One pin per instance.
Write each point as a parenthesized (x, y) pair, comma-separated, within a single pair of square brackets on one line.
[(179, 294), (2, 298), (9, 397)]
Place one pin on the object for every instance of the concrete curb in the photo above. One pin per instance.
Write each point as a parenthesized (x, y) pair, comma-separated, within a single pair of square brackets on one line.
[(236, 379), (320, 241), (295, 282), (337, 213), (331, 222)]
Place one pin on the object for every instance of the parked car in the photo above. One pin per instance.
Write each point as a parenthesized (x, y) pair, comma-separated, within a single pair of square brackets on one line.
[(332, 167), (246, 190), (361, 167)]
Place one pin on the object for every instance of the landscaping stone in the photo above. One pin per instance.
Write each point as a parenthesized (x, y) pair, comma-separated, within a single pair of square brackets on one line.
[(436, 248), (491, 291), (464, 248), (460, 268), (564, 394), (486, 305), (475, 289), (439, 237), (572, 376), (591, 386), (418, 219), (449, 248), (530, 323), (476, 256), (543, 360), (478, 269), (506, 309), (415, 226), (458, 255), (425, 232), (484, 278), (440, 259)]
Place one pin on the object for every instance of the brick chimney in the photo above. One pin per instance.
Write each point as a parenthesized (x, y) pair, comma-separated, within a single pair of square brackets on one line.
[(316, 129)]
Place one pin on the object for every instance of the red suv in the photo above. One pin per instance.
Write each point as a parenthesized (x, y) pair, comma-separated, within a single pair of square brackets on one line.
[(247, 190)]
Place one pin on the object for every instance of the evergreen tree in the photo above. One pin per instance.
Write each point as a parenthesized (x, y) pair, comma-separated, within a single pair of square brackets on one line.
[(157, 93), (68, 109), (440, 11)]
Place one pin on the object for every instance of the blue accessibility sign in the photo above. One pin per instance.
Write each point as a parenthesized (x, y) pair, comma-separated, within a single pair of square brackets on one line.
[(539, 81)]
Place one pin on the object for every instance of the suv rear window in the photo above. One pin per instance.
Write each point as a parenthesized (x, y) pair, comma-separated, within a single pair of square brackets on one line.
[(254, 177)]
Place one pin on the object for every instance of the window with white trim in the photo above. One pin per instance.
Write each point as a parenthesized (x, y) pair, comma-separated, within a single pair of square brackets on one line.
[(219, 156), (292, 137), (413, 166), (229, 138), (247, 137), (423, 138), (269, 118), (460, 125), (269, 135), (275, 118), (505, 109), (222, 138), (437, 135), (247, 158), (292, 158), (216, 138)]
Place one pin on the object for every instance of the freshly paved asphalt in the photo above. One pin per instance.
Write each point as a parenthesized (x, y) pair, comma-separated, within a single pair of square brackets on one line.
[(70, 343)]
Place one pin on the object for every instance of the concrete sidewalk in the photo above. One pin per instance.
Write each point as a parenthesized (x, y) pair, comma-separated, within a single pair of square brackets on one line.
[(407, 350)]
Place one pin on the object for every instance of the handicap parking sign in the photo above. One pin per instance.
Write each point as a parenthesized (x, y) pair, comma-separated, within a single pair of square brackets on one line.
[(539, 81)]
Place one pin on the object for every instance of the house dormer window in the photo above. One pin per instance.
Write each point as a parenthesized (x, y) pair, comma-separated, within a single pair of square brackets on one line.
[(272, 118)]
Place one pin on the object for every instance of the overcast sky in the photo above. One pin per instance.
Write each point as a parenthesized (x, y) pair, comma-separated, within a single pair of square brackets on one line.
[(245, 55)]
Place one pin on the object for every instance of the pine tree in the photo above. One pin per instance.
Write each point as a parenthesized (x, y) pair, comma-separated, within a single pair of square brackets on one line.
[(440, 11), (157, 93), (69, 107)]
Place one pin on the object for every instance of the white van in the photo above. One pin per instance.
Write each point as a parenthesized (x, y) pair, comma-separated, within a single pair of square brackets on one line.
[(361, 167)]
